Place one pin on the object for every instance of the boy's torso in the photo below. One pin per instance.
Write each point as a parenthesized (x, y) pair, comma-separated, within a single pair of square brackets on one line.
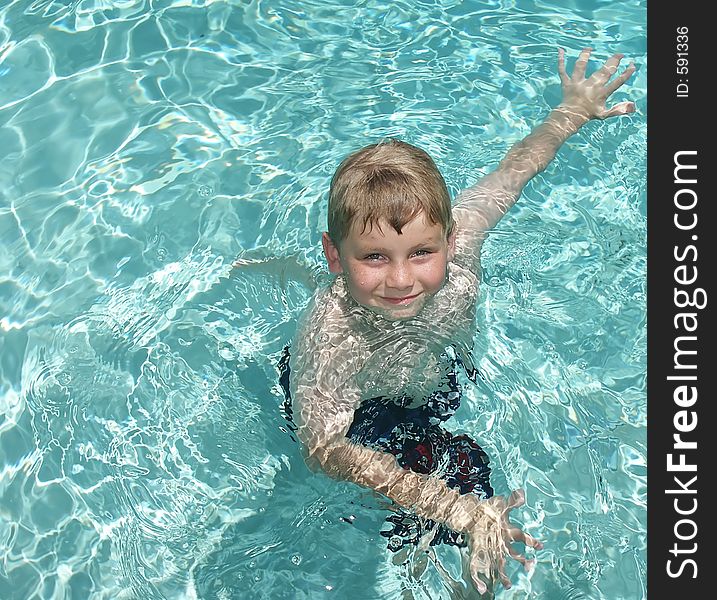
[(393, 358)]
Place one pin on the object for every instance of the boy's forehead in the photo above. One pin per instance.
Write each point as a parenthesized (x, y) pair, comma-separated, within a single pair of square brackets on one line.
[(381, 230)]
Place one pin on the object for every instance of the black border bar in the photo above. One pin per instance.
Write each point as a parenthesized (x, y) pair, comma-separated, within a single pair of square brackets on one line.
[(681, 253)]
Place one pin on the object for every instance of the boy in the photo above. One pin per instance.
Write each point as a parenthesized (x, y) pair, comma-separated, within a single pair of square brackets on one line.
[(373, 367)]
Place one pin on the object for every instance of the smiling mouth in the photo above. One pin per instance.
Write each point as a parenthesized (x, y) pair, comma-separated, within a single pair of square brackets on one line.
[(401, 301)]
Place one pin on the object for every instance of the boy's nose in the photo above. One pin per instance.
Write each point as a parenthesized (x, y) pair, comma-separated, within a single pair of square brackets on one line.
[(400, 277)]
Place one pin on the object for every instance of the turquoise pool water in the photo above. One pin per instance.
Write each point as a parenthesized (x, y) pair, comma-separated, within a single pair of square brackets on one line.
[(147, 144)]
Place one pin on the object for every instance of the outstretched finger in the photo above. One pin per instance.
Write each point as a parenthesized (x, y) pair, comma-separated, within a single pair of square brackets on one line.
[(529, 540), (582, 64), (518, 535), (516, 499), (478, 582), (480, 568), (501, 574), (624, 76), (603, 74), (515, 555), (623, 108), (561, 67)]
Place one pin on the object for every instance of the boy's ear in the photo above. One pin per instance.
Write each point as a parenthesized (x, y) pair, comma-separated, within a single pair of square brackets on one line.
[(452, 245), (331, 252)]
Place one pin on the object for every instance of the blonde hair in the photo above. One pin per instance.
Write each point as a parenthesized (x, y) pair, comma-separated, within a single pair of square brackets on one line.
[(391, 180)]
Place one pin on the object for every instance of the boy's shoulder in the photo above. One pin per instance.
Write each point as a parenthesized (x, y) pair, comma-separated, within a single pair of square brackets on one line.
[(326, 347), (325, 314), (460, 293)]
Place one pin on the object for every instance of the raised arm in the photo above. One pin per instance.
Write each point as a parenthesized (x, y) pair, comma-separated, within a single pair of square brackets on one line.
[(481, 206)]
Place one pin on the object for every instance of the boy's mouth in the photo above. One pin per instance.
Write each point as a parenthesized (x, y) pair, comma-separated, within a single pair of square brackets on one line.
[(401, 300)]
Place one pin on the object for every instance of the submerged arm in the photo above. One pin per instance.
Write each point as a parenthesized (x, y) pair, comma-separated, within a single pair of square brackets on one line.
[(342, 459), (481, 206), (323, 420), (484, 522)]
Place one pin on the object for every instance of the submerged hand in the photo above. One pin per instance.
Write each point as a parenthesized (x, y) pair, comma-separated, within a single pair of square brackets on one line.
[(490, 537), (586, 98)]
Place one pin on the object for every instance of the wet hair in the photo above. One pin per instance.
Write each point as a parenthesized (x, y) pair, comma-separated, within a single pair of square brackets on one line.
[(391, 180)]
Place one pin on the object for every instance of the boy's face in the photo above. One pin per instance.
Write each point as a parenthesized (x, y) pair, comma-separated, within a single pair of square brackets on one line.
[(389, 273)]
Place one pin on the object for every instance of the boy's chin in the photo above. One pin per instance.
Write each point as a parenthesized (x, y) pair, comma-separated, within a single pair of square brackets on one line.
[(400, 313)]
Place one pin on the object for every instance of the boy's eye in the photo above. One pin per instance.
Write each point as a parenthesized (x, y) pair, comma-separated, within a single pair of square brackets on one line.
[(422, 252), (374, 256)]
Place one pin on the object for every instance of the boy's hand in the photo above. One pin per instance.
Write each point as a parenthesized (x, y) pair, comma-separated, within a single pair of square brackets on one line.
[(585, 98), (490, 537)]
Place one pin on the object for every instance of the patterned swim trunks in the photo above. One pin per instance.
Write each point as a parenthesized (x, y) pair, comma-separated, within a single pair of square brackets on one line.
[(419, 443)]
